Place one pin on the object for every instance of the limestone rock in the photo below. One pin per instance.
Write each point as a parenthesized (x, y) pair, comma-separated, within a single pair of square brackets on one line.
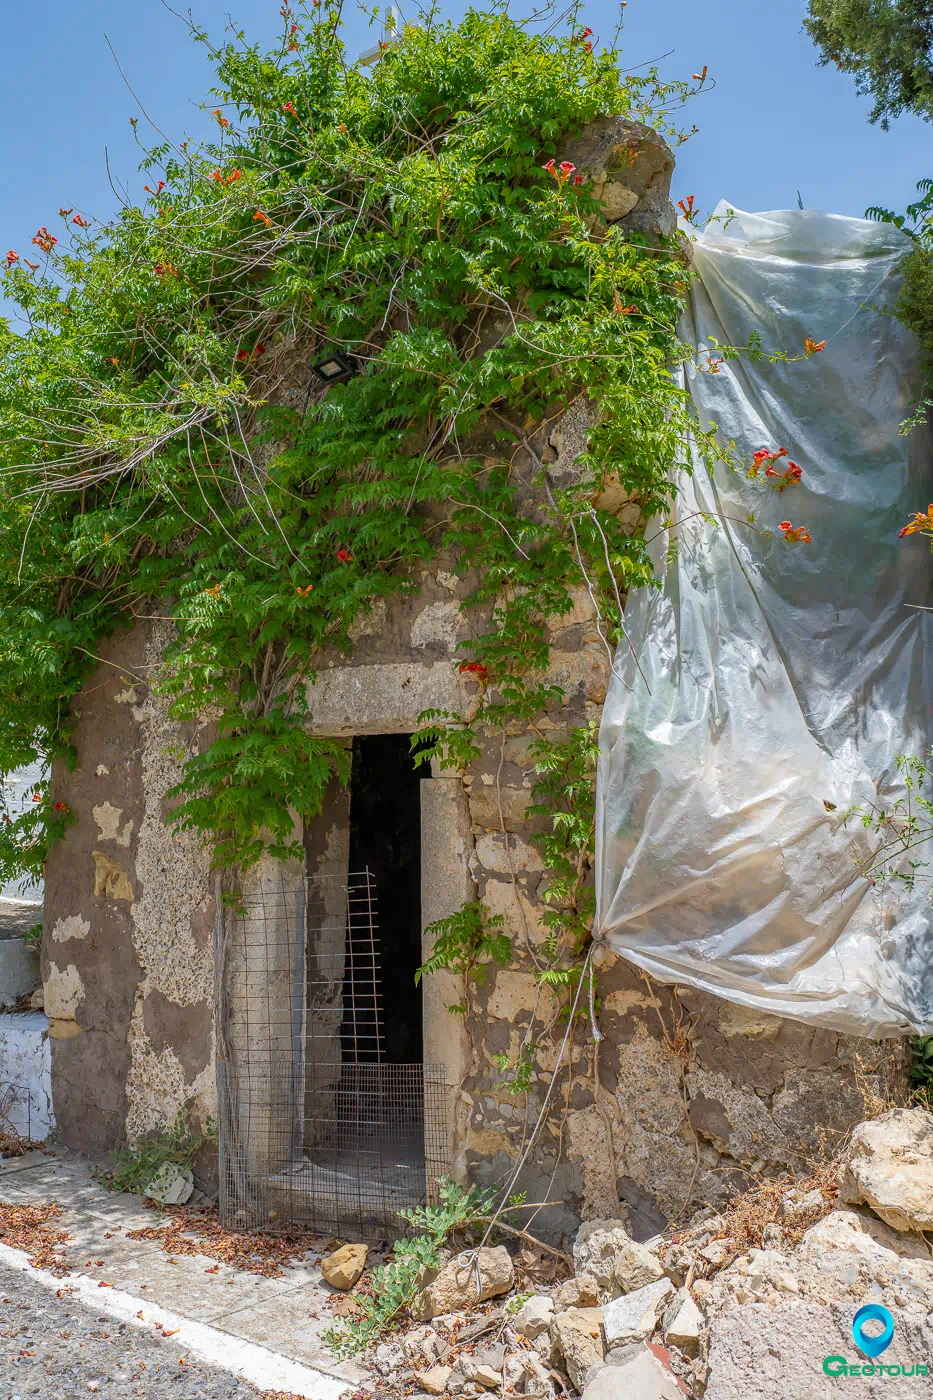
[(454, 1288), (776, 1353), (578, 1333), (605, 1250), (525, 1374), (642, 1377), (388, 1357), (715, 1252), (534, 1317), (630, 166), (435, 1380), (634, 1316), (472, 1369), (423, 1341), (581, 1291), (172, 1185), (345, 1266), (848, 1256), (682, 1323), (889, 1165)]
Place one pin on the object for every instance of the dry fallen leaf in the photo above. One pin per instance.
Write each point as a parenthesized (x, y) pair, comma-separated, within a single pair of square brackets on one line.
[(172, 1331), (140, 1315), (345, 1306), (104, 1285)]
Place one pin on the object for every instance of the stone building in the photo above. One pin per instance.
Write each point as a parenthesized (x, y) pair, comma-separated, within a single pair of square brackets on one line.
[(150, 985)]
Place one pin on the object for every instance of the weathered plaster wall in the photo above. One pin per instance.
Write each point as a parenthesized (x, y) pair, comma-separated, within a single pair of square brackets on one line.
[(127, 960)]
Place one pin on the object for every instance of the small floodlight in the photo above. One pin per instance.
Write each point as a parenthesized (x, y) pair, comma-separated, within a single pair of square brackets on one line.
[(333, 369)]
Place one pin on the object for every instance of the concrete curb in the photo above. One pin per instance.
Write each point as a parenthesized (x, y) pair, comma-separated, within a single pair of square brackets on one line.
[(254, 1363)]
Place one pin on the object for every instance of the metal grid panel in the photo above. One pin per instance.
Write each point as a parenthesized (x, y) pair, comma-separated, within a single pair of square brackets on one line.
[(316, 1129)]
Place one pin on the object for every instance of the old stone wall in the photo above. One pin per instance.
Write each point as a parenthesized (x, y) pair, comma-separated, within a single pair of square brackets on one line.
[(683, 1101), (127, 959)]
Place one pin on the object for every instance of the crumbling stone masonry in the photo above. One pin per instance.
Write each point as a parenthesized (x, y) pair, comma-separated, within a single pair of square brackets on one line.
[(689, 1095)]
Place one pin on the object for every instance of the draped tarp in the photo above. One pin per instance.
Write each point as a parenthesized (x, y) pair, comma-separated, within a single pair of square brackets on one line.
[(776, 683)]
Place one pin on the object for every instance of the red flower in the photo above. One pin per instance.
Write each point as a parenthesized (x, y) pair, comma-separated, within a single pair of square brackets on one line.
[(550, 168), (918, 521), (216, 175), (158, 189), (475, 668), (82, 223), (701, 76), (45, 240), (578, 179), (11, 258), (29, 264), (242, 354), (687, 208), (578, 38), (37, 797), (800, 535), (262, 218), (813, 347), (344, 556), (294, 29), (289, 107), (567, 168), (221, 119), (61, 806), (260, 349), (233, 176)]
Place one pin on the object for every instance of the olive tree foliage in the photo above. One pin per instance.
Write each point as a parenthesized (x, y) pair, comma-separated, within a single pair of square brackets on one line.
[(886, 44)]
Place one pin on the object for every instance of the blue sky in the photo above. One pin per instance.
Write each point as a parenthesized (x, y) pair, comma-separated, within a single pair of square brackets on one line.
[(775, 122)]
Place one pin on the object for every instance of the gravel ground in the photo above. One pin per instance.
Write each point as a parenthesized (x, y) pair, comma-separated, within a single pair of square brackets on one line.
[(53, 1347)]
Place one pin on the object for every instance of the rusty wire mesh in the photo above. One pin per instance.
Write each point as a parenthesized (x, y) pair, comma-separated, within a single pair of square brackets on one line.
[(316, 1128)]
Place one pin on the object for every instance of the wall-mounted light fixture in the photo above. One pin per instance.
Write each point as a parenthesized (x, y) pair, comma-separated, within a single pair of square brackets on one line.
[(334, 369)]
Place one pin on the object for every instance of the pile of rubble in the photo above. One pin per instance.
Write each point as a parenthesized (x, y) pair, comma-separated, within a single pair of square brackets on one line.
[(653, 1320)]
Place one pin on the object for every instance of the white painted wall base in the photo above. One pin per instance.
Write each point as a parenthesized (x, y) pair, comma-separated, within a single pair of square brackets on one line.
[(26, 1064), (19, 968)]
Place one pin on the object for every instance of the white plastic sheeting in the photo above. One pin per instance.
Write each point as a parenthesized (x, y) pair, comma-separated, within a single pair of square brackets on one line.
[(779, 678)]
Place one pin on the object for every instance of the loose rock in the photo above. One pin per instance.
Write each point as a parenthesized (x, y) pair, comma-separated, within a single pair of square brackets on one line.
[(423, 1341), (578, 1333), (345, 1266), (455, 1287), (478, 1373), (435, 1380), (682, 1322), (605, 1250), (534, 1317), (581, 1291), (889, 1165), (641, 1378), (634, 1316)]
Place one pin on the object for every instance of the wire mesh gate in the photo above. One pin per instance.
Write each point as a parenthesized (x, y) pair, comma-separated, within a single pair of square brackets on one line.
[(316, 1128)]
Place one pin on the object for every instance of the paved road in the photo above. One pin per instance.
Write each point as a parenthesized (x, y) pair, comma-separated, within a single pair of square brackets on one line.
[(54, 1347)]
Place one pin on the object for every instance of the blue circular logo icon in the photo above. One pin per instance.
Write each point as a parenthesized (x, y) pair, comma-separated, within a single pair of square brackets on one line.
[(872, 1346)]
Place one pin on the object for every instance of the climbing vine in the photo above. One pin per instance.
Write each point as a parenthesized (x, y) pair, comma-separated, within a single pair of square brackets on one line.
[(157, 460)]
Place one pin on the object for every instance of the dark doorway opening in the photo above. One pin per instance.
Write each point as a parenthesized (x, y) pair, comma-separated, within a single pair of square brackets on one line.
[(385, 838)]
